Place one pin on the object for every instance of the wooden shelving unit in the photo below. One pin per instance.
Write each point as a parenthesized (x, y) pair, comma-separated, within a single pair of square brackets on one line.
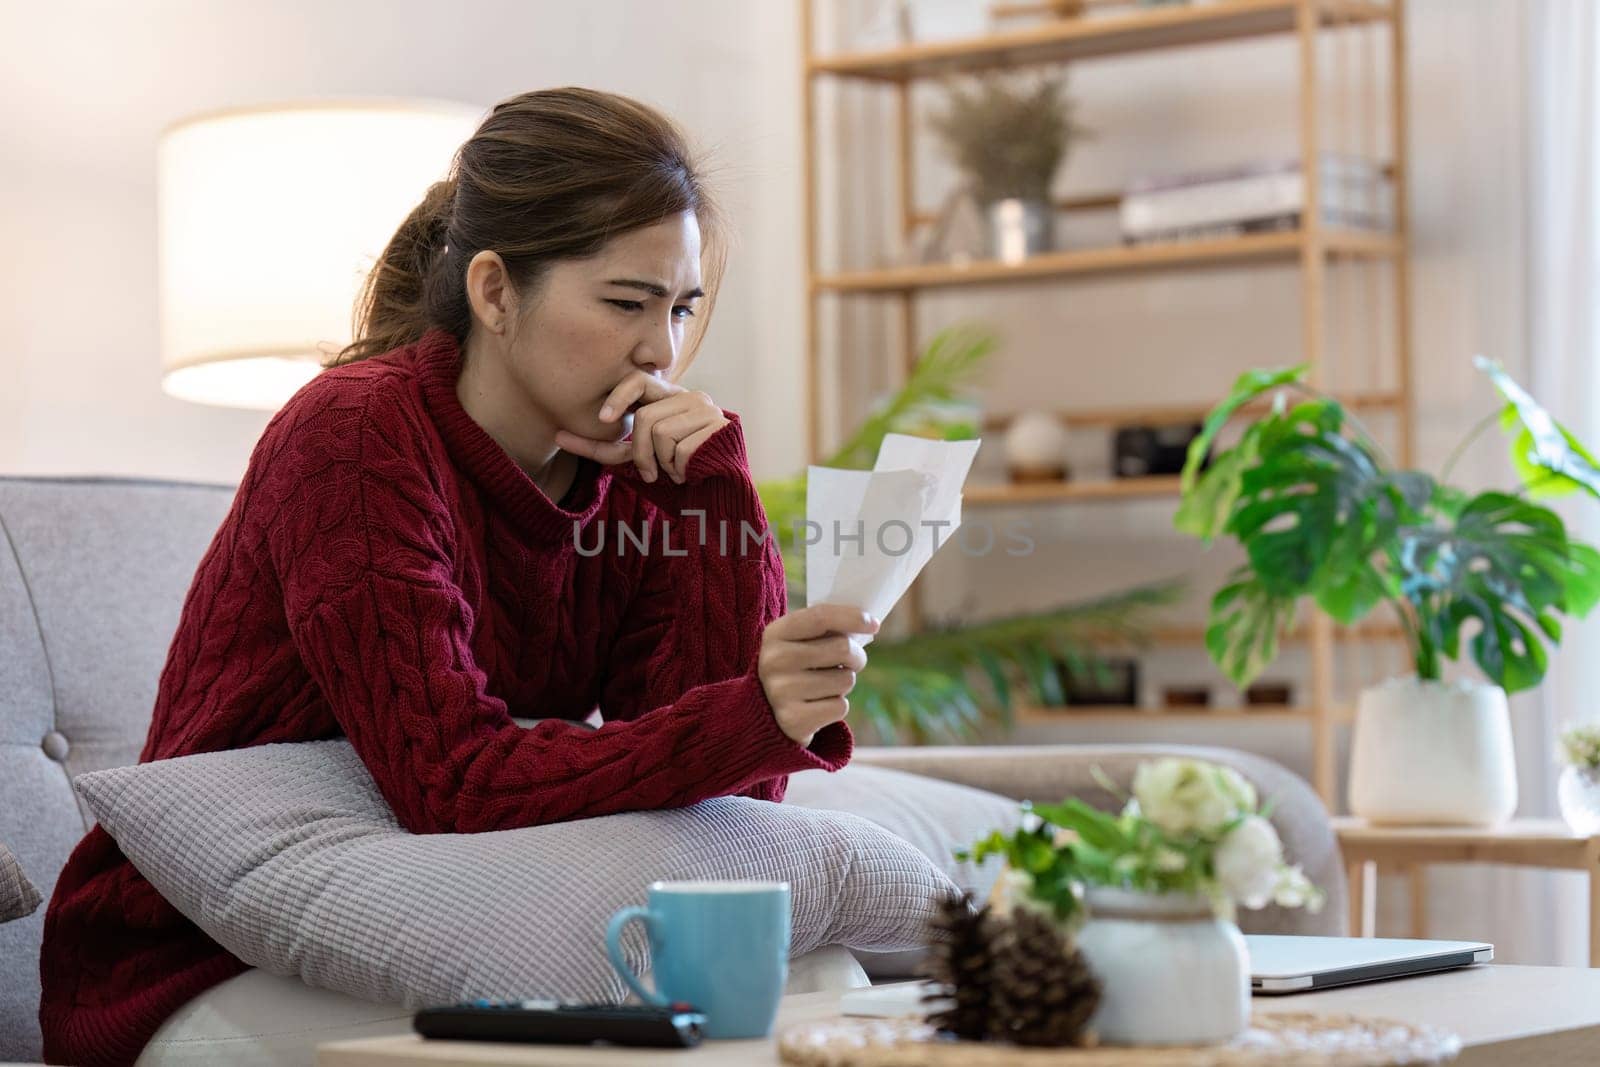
[(1312, 248), (1261, 713)]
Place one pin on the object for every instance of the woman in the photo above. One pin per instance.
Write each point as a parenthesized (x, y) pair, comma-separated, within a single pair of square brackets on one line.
[(411, 561)]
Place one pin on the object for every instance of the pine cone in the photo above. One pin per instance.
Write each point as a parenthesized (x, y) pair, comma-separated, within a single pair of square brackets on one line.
[(1041, 989), (958, 960)]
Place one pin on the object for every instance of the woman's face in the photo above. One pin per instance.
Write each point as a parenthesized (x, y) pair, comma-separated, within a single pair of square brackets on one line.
[(595, 321)]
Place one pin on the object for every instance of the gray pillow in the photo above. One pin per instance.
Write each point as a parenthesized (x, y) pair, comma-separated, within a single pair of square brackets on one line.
[(18, 897), (289, 858), (936, 816)]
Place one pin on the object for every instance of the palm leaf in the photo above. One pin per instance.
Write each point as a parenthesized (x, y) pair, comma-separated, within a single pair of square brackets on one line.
[(945, 683)]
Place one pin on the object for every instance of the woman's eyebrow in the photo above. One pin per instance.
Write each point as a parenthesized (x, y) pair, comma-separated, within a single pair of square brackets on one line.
[(653, 289)]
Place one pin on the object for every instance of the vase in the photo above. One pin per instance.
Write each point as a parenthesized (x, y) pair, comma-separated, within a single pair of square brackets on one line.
[(1171, 972), (1579, 794), (1435, 753), (1036, 444), (1019, 228)]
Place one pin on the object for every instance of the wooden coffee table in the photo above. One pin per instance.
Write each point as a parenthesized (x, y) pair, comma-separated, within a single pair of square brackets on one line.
[(1527, 1016)]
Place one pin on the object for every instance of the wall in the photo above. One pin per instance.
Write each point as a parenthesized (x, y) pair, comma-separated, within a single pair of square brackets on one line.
[(79, 366)]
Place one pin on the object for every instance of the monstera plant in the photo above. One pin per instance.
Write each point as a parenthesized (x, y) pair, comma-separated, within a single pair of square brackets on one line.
[(1322, 514)]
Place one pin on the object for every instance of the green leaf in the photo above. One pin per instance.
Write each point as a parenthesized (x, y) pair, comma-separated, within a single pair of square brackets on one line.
[(1247, 387), (1504, 563), (1583, 579), (1549, 460), (1204, 508), (1247, 621)]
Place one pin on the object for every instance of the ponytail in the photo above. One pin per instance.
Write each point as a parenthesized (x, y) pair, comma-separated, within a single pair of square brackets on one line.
[(392, 309), (549, 175)]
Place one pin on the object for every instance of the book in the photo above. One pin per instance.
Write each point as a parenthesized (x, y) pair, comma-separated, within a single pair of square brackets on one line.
[(1353, 193)]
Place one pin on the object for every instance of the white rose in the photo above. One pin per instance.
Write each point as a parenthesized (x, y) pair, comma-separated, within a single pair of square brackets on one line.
[(1182, 795), (1294, 890), (1247, 862)]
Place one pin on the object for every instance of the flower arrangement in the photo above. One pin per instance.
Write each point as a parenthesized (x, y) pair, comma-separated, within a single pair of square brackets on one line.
[(1580, 746), (1189, 827)]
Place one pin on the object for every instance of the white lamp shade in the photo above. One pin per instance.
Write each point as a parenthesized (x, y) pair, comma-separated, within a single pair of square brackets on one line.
[(270, 219)]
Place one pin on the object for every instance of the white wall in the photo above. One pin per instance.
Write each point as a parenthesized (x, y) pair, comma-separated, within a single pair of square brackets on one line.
[(90, 84)]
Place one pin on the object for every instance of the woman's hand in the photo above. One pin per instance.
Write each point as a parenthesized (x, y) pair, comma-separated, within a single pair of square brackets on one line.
[(669, 424), (807, 665)]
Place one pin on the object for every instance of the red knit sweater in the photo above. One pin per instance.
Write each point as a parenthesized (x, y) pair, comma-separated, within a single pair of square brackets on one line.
[(387, 572)]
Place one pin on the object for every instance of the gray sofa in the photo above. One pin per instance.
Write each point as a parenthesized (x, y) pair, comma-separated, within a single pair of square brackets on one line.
[(93, 573)]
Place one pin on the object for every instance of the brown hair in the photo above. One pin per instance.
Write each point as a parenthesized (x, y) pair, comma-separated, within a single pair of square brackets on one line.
[(548, 175)]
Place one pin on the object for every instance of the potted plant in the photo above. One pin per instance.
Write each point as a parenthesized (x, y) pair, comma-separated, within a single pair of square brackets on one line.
[(1151, 896), (1008, 135), (1321, 514), (1578, 789)]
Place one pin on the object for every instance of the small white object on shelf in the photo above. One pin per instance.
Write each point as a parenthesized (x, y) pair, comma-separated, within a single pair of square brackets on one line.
[(1578, 792), (1036, 446)]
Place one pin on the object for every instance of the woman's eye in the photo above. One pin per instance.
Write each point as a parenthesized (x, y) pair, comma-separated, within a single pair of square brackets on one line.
[(635, 305)]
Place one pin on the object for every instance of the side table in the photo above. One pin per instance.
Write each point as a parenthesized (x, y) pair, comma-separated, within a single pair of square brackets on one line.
[(1410, 849)]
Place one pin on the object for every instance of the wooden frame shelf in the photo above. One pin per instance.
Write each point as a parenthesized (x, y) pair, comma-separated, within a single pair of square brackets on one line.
[(1093, 36), (1315, 249), (1033, 715), (1285, 246), (1123, 416), (979, 495)]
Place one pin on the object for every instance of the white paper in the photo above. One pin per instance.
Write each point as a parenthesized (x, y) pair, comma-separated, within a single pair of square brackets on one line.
[(907, 506)]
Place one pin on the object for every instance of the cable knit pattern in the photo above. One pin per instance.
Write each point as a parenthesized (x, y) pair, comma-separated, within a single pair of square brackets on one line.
[(388, 573)]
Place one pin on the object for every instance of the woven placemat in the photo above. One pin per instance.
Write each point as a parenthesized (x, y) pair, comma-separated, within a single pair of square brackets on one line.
[(1302, 1040)]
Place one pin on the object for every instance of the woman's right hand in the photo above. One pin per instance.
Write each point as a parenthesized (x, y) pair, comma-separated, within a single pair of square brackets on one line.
[(807, 665)]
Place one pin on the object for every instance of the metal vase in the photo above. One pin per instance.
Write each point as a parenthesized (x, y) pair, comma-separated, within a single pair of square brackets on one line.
[(1019, 228)]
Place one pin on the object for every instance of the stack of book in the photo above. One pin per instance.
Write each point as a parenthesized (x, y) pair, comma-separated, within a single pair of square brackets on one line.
[(1269, 195)]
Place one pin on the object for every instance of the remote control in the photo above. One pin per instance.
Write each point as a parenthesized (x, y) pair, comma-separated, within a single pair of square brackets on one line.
[(677, 1025)]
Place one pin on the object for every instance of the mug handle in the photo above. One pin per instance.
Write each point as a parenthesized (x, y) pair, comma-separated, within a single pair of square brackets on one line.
[(614, 951)]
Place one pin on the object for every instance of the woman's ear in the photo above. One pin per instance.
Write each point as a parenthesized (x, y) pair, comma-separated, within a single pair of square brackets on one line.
[(490, 292)]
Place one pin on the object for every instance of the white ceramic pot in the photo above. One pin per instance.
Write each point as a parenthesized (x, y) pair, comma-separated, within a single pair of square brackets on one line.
[(1037, 441), (1171, 972), (1579, 794), (1437, 753)]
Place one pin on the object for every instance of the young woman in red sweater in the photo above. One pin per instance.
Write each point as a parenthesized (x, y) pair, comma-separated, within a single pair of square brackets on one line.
[(411, 559)]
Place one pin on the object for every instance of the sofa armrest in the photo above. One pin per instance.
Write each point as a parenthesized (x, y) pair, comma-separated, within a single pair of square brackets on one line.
[(1050, 773)]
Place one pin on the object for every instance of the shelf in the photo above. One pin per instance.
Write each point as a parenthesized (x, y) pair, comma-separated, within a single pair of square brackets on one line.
[(1178, 413), (1030, 715), (1071, 39), (1224, 251), (1049, 492), (1366, 631)]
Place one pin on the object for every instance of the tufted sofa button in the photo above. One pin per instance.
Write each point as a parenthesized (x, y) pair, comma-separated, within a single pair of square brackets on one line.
[(55, 746)]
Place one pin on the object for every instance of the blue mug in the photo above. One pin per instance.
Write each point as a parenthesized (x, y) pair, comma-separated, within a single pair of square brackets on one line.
[(721, 946)]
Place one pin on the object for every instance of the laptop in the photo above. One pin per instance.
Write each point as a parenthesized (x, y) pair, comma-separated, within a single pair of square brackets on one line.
[(1284, 963), (1278, 964)]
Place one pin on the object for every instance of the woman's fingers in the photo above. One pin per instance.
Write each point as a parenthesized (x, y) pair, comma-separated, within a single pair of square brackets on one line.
[(607, 452), (636, 386), (671, 435)]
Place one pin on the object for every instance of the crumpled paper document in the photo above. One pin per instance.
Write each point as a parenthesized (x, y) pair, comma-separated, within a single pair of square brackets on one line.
[(869, 533)]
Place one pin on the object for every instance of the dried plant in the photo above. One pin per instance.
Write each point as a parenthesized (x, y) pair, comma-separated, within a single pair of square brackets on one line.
[(1008, 133)]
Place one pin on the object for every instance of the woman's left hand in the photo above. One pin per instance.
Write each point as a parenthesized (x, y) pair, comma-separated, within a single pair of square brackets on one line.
[(670, 423)]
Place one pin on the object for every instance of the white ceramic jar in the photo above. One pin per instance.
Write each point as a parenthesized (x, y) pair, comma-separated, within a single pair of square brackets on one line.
[(1171, 972), (1433, 752), (1578, 791)]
